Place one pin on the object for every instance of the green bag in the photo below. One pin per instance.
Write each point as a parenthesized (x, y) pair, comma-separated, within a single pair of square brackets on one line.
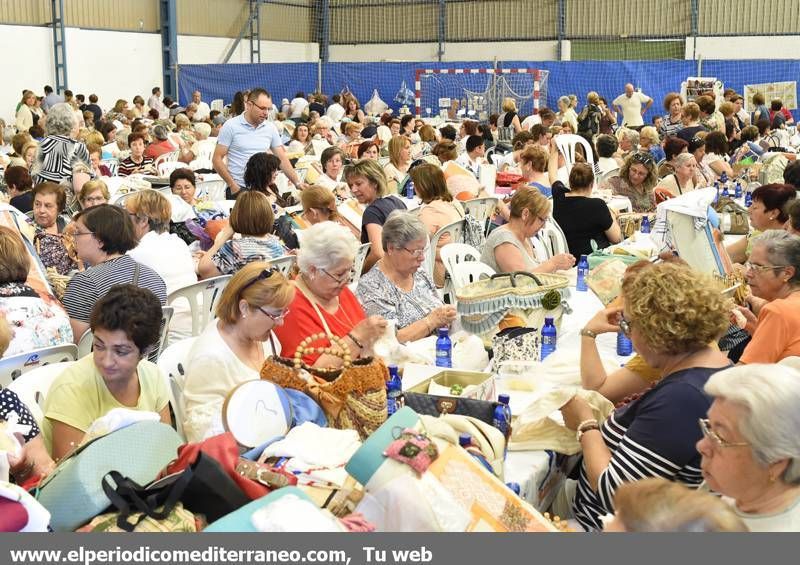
[(599, 256)]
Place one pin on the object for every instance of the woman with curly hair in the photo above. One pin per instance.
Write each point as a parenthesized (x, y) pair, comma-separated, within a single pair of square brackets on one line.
[(671, 315)]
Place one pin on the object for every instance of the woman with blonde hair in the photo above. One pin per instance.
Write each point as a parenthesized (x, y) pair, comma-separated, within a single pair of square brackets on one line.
[(232, 348), (93, 193), (399, 161), (650, 141), (671, 314), (508, 124), (658, 505), (319, 205), (508, 248)]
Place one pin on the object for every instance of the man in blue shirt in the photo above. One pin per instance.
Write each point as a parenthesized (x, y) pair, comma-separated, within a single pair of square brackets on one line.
[(245, 135), (50, 98)]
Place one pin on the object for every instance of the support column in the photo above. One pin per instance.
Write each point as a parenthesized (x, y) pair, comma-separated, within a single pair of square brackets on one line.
[(59, 45), (169, 47)]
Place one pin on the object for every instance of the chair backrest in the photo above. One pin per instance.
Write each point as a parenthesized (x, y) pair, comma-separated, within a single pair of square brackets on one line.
[(166, 157), (166, 316), (553, 238), (481, 208), (85, 344), (12, 367), (540, 250), (454, 253), (566, 144), (120, 199), (284, 263), (213, 189), (205, 149), (32, 386), (456, 231), (172, 364), (165, 168), (202, 298), (607, 175), (217, 104), (358, 264), (470, 271)]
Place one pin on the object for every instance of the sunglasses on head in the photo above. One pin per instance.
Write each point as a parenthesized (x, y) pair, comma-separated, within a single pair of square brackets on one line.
[(643, 158), (263, 275)]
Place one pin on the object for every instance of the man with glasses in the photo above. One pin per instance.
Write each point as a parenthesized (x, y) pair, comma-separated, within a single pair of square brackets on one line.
[(245, 135)]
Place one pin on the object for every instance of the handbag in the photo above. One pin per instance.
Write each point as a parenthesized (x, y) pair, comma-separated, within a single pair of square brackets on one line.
[(516, 344), (631, 222), (433, 405), (733, 218), (203, 488), (599, 256), (73, 493), (178, 520), (353, 397), (523, 299)]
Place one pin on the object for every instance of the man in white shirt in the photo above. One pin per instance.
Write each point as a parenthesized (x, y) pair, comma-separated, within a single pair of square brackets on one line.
[(154, 103), (203, 110), (336, 111), (630, 104), (473, 157), (297, 105), (245, 135)]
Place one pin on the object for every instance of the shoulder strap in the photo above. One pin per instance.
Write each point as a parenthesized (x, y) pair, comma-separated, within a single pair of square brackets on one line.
[(136, 270), (299, 285)]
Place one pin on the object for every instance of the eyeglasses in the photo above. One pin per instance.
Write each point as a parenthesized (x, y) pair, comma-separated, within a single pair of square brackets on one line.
[(705, 427), (90, 199), (761, 268), (79, 233), (417, 253), (263, 275), (262, 108), (339, 280), (643, 158), (274, 317), (625, 326)]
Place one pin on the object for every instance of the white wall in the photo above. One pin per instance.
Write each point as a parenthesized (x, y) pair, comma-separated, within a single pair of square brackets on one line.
[(205, 50), (756, 47), (473, 51)]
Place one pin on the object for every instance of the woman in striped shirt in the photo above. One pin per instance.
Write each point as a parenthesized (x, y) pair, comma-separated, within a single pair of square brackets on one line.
[(671, 314)]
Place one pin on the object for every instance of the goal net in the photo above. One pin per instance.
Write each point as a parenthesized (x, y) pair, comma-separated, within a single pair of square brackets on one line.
[(477, 93)]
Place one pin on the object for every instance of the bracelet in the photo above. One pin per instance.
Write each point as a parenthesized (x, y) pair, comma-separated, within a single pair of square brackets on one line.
[(358, 344), (586, 423), (580, 433), (588, 333)]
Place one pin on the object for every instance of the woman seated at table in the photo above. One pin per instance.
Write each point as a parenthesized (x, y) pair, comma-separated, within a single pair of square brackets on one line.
[(716, 157), (583, 219), (49, 201), (671, 314), (20, 186), (369, 149), (319, 205), (253, 219), (751, 444), (636, 181), (697, 147), (183, 183), (682, 180), (93, 193), (103, 235), (399, 161), (260, 175), (533, 163), (673, 146), (137, 162), (508, 248), (232, 348), (324, 303), (438, 209), (367, 182), (397, 289), (332, 161), (126, 324), (768, 212), (37, 321), (301, 140), (773, 274)]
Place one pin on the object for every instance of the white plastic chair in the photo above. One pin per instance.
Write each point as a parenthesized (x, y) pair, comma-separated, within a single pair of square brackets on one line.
[(165, 168), (213, 189), (205, 149), (202, 297), (481, 209), (11, 368), (456, 231), (358, 264), (32, 387), (172, 364), (539, 248), (566, 144), (284, 263), (469, 272), (217, 104), (166, 158), (452, 254), (553, 238)]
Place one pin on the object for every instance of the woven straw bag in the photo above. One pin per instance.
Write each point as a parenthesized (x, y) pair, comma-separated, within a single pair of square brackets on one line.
[(353, 397), (512, 299)]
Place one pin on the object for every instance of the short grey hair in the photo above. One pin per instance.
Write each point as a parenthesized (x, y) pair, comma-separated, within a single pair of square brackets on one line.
[(681, 158), (325, 244), (203, 130), (564, 100), (783, 248), (401, 229), (769, 396), (60, 120), (628, 133)]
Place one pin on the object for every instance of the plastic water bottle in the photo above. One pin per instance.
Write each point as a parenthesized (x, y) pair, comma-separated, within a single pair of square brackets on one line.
[(394, 389), (724, 178), (583, 272), (716, 190), (444, 349), (502, 415), (737, 191), (725, 192), (410, 189), (748, 199), (645, 224), (624, 345), (465, 441), (548, 338)]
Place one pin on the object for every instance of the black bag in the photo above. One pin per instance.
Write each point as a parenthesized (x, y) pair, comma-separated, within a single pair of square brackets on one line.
[(203, 488), (589, 120), (432, 405), (180, 229)]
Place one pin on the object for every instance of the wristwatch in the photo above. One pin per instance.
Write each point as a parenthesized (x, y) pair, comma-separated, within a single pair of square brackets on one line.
[(588, 333)]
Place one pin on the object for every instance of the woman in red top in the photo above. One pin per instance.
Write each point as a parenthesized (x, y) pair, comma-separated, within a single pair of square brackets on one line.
[(323, 302)]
